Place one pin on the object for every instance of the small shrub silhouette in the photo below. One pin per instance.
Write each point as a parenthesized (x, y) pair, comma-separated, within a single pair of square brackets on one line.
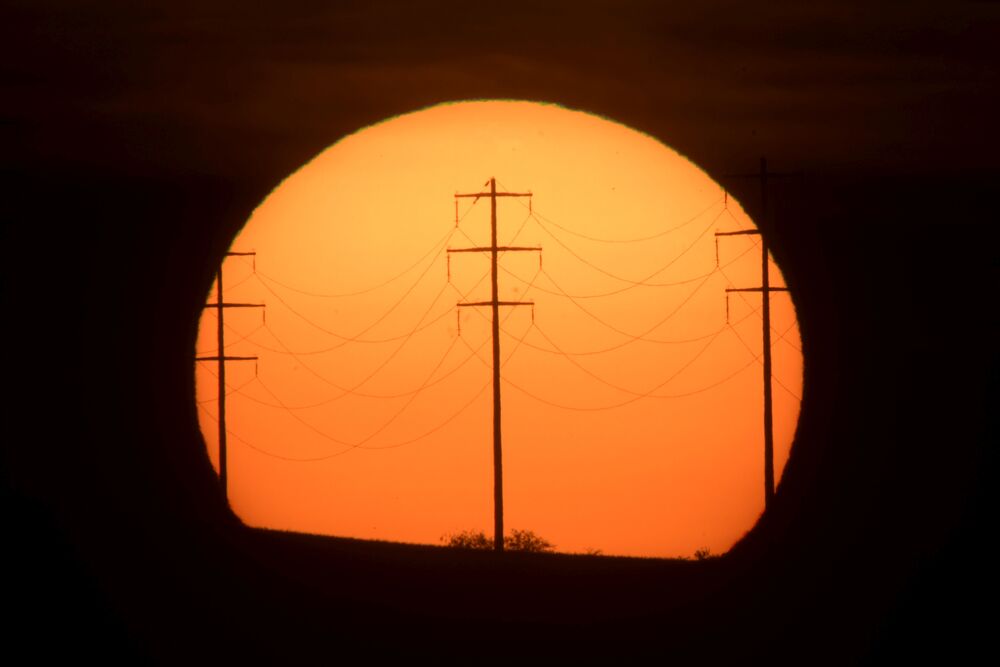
[(468, 539), (516, 540), (525, 540)]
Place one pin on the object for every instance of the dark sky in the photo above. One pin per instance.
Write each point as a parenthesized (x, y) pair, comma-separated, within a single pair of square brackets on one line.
[(900, 85)]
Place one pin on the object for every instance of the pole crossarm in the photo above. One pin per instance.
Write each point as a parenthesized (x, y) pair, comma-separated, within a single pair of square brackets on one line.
[(499, 248), (241, 254), (756, 289), (499, 303), (235, 305), (226, 358), (477, 195), (739, 232)]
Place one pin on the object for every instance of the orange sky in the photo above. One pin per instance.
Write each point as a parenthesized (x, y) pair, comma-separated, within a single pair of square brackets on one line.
[(632, 413)]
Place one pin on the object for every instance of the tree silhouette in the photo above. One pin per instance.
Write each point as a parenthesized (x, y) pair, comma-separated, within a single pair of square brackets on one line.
[(516, 540)]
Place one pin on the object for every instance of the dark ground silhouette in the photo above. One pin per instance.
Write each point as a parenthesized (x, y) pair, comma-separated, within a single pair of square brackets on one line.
[(133, 153)]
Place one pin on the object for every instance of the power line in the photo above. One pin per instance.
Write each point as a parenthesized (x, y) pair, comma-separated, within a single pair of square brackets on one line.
[(411, 398), (758, 358), (387, 339), (781, 336), (517, 233), (385, 362), (325, 457), (437, 428), (678, 283), (570, 357), (510, 355), (631, 240), (336, 295), (232, 390), (356, 338), (412, 394), (307, 424), (618, 241), (238, 283), (586, 370), (598, 295), (650, 394), (258, 449), (756, 310), (640, 394), (426, 384), (332, 348), (353, 390), (353, 446), (242, 337), (679, 341), (346, 391), (633, 337), (502, 251), (790, 392), (645, 281)]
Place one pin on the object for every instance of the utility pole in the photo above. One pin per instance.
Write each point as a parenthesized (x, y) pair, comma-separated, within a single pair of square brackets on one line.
[(765, 289), (221, 357), (495, 304)]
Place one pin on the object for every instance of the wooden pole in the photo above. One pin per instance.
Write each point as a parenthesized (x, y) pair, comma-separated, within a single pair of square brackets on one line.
[(220, 309), (497, 439), (221, 357), (766, 296), (495, 304)]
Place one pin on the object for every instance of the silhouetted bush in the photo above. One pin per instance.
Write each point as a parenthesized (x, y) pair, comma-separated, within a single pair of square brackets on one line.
[(516, 540), (468, 539), (525, 540)]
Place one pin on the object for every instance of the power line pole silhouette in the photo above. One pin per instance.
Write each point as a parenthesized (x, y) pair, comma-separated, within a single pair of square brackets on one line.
[(765, 289), (221, 357), (495, 304)]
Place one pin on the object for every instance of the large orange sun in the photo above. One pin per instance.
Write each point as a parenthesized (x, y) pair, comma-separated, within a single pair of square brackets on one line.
[(632, 393)]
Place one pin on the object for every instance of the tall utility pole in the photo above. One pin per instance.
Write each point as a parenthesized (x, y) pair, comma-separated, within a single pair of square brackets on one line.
[(221, 357), (495, 304), (765, 289)]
